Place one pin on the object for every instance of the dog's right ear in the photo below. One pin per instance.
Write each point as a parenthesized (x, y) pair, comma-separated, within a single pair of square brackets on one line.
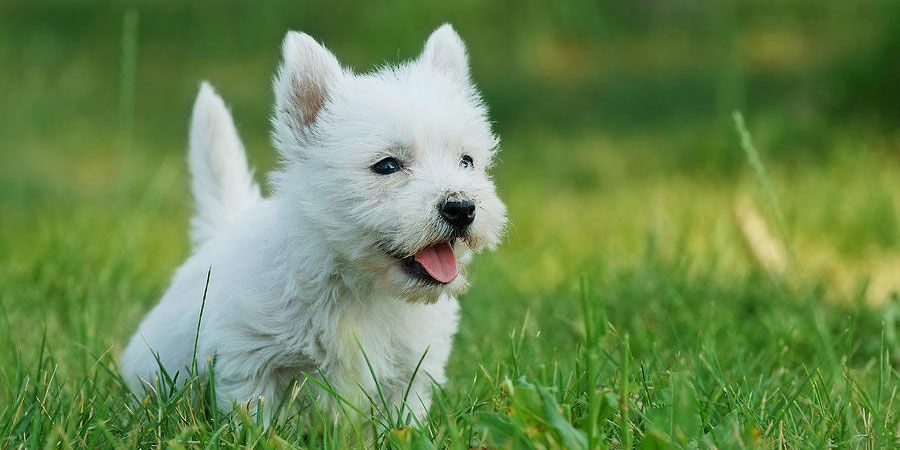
[(307, 74), (446, 53)]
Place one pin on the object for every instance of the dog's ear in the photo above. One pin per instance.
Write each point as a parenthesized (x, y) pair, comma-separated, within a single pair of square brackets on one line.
[(307, 74), (446, 53)]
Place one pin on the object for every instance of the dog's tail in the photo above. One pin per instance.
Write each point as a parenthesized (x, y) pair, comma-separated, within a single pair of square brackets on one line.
[(221, 181)]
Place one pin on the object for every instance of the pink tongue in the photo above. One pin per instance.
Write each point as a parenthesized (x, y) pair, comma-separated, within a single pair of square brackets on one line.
[(439, 261)]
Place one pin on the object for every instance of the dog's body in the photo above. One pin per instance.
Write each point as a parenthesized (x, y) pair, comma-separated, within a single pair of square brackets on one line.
[(382, 198)]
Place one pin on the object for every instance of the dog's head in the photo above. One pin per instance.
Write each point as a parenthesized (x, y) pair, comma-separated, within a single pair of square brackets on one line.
[(392, 166)]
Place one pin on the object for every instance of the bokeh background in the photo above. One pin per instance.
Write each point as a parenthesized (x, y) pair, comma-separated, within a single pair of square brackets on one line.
[(618, 146)]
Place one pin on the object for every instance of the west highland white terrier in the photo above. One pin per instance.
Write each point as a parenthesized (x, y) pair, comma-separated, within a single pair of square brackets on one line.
[(381, 199)]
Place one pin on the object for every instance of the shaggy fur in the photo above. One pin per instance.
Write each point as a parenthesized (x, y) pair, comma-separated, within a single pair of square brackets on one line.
[(304, 278)]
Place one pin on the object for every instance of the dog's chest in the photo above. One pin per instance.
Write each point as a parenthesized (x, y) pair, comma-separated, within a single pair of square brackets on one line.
[(389, 342)]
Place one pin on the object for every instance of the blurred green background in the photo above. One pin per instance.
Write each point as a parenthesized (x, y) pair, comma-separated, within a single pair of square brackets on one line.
[(620, 161), (615, 118)]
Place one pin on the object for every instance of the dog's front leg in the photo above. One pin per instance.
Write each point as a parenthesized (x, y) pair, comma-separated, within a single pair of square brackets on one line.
[(256, 396)]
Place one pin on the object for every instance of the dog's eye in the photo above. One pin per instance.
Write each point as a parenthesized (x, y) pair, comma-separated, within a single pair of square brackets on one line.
[(466, 162), (386, 166)]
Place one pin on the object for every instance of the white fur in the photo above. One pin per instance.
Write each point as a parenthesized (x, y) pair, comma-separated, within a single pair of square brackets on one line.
[(299, 277), (223, 186)]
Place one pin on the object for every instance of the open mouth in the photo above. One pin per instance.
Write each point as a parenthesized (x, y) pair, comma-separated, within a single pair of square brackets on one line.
[(435, 263)]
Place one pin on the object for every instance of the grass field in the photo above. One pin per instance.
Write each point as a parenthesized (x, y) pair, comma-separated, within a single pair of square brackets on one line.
[(663, 283)]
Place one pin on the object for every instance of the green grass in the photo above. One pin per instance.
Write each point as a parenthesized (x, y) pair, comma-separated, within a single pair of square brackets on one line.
[(656, 354), (624, 309), (666, 340)]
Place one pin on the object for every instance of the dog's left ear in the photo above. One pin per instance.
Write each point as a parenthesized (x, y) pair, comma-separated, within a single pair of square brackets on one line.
[(446, 53)]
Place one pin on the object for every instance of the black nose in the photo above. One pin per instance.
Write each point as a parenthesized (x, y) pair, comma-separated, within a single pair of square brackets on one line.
[(459, 213)]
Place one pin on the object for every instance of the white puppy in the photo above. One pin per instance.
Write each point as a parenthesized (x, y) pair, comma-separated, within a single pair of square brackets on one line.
[(382, 197)]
